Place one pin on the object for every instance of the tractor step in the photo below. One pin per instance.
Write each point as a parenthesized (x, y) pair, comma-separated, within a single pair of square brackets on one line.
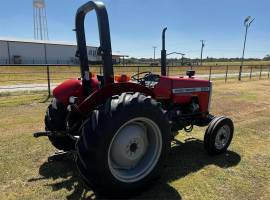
[(42, 134)]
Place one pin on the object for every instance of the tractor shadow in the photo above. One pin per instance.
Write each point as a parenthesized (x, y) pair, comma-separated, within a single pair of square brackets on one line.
[(190, 156), (185, 158)]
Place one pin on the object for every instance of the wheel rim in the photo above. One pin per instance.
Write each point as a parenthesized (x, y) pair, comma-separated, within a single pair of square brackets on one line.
[(222, 137), (135, 150)]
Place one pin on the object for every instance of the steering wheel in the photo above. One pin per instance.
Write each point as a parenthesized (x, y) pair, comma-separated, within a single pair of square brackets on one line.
[(136, 77)]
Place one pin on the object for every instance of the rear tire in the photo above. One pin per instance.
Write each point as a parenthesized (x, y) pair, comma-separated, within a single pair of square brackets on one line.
[(218, 135), (55, 122), (123, 145)]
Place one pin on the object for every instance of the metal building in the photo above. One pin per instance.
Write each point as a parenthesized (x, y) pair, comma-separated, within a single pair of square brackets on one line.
[(15, 51)]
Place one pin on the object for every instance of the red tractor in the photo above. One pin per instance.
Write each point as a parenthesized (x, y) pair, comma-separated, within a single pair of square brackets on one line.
[(122, 129)]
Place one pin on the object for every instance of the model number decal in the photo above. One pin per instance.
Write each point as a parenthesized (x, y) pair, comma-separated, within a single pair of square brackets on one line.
[(190, 90)]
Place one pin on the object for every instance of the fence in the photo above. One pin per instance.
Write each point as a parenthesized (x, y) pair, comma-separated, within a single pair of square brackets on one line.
[(38, 61), (14, 80)]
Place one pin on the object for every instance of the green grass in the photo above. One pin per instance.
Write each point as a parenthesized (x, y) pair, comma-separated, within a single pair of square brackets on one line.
[(11, 99), (241, 173)]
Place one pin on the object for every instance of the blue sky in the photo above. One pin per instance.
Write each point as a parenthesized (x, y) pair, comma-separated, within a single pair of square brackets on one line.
[(136, 25)]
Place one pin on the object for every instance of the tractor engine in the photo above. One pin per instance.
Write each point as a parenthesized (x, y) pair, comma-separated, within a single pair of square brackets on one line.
[(186, 100), (182, 116)]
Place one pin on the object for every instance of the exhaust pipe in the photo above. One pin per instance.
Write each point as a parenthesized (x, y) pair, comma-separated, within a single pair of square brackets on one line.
[(163, 54)]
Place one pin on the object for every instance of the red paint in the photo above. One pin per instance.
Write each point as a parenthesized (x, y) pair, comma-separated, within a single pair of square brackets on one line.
[(94, 83), (101, 95), (191, 83), (73, 87), (163, 91)]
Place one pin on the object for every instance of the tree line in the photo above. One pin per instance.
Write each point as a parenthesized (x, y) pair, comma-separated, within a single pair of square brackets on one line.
[(188, 61)]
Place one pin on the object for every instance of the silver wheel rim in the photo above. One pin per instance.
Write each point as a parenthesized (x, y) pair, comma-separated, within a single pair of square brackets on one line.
[(135, 150), (222, 137)]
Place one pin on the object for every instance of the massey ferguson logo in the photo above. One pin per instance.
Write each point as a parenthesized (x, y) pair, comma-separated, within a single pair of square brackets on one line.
[(190, 90)]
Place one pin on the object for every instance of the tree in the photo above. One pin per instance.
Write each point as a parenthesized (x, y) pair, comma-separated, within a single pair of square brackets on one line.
[(267, 57)]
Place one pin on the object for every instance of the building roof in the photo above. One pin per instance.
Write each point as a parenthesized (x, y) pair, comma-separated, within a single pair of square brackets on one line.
[(120, 54), (10, 39)]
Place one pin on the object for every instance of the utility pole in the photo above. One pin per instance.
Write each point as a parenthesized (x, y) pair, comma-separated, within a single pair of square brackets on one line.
[(154, 47), (203, 44), (247, 24)]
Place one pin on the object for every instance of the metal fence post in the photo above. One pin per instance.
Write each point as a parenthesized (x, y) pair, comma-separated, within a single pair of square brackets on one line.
[(250, 74), (138, 71), (210, 73), (168, 71), (9, 56), (240, 73), (227, 68), (260, 72), (49, 81), (268, 71)]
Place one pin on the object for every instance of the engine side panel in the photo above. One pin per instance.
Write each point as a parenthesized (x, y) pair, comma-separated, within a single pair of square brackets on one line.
[(163, 90), (182, 90)]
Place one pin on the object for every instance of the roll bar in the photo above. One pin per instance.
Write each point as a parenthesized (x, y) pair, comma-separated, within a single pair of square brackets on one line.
[(163, 54), (105, 48)]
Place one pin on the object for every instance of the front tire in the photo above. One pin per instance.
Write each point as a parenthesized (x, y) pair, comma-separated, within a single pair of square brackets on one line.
[(123, 145), (218, 135)]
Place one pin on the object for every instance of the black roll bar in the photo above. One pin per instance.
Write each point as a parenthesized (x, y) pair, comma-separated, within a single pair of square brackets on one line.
[(163, 54), (105, 48)]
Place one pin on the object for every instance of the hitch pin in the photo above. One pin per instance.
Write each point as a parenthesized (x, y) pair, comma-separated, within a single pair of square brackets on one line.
[(42, 134)]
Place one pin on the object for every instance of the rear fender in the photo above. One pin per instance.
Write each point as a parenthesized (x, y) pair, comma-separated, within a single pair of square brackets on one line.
[(100, 96)]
